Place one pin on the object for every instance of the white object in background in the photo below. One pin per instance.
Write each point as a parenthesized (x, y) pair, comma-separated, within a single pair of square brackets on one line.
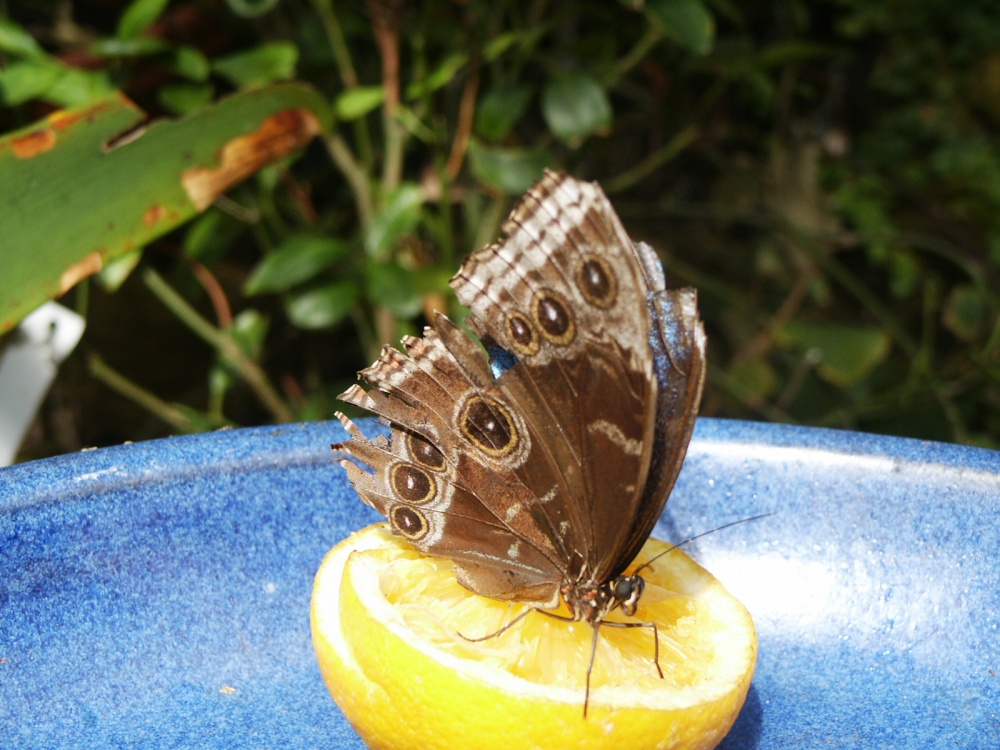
[(28, 366)]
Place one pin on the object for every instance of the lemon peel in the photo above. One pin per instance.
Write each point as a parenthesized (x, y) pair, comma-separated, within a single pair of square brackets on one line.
[(387, 627)]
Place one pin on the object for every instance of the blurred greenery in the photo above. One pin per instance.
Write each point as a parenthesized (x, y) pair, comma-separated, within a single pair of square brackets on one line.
[(826, 172)]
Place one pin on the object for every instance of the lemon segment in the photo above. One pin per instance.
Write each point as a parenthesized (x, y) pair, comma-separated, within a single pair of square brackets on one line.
[(386, 623)]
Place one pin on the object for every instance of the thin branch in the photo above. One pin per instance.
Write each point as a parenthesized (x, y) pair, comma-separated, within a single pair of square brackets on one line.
[(651, 163), (355, 174), (172, 415), (338, 44), (216, 294), (345, 68), (729, 385), (385, 22), (638, 53), (224, 344), (761, 344), (466, 117)]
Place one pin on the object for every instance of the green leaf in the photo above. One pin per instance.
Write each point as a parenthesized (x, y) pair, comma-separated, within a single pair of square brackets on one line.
[(72, 200), (297, 259), (509, 170), (397, 219), (756, 378), (966, 312), (501, 108), (211, 234), (25, 80), (403, 290), (138, 47), (16, 41), (904, 273), (439, 77), (357, 102), (575, 106), (220, 379), (324, 306), (139, 16), (185, 98), (526, 39), (77, 87), (500, 44), (846, 353), (116, 273), (190, 63), (395, 287), (251, 8), (261, 65), (248, 330), (687, 22)]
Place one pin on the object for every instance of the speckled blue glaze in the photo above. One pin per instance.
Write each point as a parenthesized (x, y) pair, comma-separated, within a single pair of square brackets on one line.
[(158, 593)]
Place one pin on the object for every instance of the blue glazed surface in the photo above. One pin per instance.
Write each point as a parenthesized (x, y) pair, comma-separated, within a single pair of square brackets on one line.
[(158, 593)]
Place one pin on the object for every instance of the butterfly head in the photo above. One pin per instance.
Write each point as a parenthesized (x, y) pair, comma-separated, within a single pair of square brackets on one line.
[(592, 602)]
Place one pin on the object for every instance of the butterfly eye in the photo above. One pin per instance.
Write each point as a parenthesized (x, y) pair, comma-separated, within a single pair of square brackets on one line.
[(489, 426), (554, 318), (522, 334), (628, 591), (623, 588), (597, 282), (424, 453), (412, 484), (409, 522)]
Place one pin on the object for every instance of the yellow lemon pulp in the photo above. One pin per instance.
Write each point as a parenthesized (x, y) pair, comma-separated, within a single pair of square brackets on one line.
[(388, 623)]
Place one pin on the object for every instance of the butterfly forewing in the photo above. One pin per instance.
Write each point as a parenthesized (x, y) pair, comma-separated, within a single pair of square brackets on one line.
[(678, 342), (564, 296)]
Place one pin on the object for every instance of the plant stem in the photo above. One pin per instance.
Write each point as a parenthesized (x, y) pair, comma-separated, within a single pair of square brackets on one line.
[(654, 161), (338, 44), (634, 56), (174, 416), (223, 343), (355, 175), (385, 23), (466, 116)]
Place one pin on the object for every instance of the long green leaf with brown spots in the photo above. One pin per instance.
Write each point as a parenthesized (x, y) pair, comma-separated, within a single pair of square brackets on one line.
[(85, 186)]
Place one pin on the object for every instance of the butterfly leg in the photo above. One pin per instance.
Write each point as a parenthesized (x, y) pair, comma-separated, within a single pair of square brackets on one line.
[(656, 638), (596, 625), (516, 620), (502, 630), (593, 649), (590, 666)]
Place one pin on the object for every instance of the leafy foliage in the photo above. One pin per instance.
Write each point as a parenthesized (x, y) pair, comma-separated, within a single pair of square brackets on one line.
[(826, 173)]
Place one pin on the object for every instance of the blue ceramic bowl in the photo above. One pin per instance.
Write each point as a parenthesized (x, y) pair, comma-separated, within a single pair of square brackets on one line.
[(157, 594)]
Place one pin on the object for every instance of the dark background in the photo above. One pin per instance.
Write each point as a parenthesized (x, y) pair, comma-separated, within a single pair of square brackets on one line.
[(825, 173)]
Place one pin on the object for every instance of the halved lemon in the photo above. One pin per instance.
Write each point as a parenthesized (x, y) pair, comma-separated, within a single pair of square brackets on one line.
[(388, 625)]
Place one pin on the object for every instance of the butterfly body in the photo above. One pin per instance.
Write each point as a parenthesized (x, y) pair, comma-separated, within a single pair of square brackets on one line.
[(541, 466)]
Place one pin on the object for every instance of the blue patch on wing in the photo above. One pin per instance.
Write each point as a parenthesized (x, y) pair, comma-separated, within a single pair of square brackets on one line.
[(501, 360)]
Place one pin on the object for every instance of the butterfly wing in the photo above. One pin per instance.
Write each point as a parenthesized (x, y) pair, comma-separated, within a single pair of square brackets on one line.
[(677, 340), (532, 468), (446, 478), (561, 306)]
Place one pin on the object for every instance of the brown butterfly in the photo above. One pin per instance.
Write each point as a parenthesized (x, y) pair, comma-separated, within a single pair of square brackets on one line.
[(540, 466)]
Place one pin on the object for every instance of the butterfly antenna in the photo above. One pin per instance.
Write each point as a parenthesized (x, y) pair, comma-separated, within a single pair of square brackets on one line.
[(649, 562)]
